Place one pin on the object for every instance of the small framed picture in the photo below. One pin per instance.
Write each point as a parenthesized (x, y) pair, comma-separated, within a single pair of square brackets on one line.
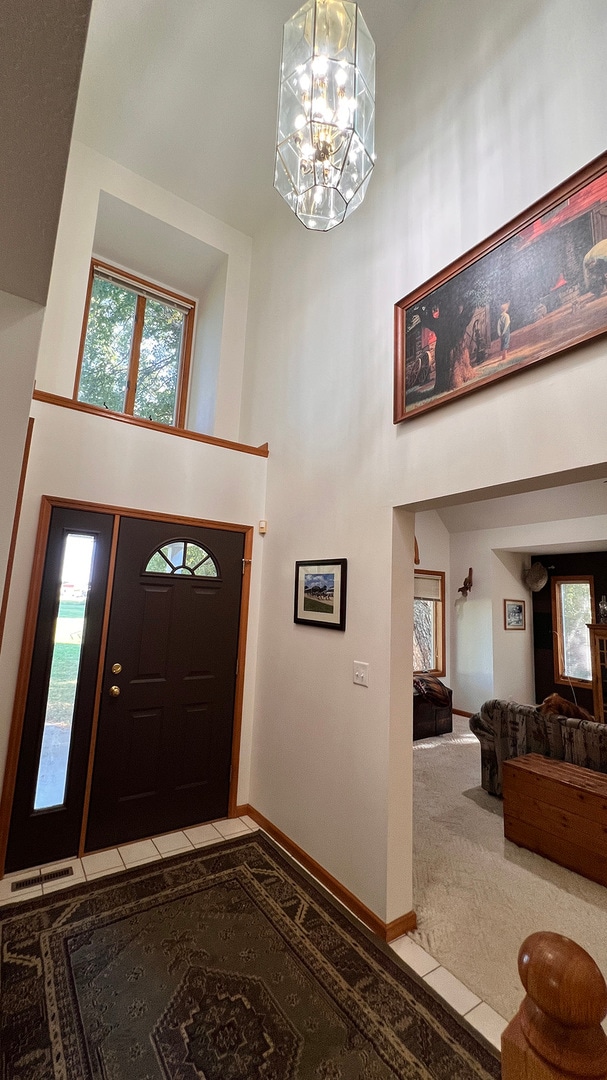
[(320, 593), (514, 614)]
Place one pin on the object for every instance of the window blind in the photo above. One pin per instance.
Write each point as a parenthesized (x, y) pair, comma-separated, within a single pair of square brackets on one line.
[(426, 588), (142, 290)]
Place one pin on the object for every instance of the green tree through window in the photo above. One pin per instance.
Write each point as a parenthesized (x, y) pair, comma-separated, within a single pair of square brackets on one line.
[(133, 357), (107, 347)]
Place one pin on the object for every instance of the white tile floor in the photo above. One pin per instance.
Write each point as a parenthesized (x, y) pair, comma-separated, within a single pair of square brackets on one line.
[(114, 860), (477, 1013)]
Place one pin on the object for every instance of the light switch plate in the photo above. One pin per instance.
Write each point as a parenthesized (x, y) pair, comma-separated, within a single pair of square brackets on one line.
[(360, 673)]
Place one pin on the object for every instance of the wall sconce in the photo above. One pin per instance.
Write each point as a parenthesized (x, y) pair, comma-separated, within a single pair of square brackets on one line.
[(465, 588)]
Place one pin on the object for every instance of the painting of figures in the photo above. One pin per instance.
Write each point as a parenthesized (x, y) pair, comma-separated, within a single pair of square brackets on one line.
[(534, 290)]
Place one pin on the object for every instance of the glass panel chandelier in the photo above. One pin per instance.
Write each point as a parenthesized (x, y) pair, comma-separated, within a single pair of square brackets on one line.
[(326, 113)]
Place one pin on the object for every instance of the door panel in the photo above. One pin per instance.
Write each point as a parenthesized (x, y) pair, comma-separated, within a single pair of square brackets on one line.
[(60, 701), (150, 664), (163, 752)]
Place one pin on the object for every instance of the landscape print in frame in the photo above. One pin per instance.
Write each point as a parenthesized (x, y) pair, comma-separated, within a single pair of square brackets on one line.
[(529, 293), (320, 593)]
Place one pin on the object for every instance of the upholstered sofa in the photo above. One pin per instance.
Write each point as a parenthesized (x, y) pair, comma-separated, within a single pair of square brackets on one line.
[(506, 729)]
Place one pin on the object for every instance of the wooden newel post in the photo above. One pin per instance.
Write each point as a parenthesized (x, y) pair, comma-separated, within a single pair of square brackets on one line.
[(557, 1031)]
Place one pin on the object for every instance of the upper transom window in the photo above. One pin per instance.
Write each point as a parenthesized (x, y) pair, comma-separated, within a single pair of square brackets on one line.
[(135, 349), (182, 557)]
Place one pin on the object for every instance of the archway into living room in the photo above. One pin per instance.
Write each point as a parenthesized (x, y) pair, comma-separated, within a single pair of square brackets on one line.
[(475, 894)]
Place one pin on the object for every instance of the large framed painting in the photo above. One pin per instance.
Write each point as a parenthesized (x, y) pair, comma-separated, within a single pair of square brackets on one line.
[(320, 593), (530, 292)]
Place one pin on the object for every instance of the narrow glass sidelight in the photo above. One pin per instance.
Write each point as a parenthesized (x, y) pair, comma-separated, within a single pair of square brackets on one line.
[(70, 628)]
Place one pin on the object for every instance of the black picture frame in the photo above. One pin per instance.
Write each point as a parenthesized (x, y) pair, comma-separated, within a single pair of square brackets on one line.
[(320, 593), (514, 615)]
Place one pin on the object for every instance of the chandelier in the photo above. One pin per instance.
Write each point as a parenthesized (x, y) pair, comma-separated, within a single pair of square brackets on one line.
[(326, 113)]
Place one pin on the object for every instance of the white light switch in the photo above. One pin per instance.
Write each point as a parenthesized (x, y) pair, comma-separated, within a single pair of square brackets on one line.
[(361, 673)]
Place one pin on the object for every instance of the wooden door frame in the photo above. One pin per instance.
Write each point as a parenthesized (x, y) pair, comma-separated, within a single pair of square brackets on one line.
[(47, 505)]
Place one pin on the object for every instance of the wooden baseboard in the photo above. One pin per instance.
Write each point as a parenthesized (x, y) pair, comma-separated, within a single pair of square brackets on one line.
[(403, 925), (461, 712), (385, 931), (240, 811)]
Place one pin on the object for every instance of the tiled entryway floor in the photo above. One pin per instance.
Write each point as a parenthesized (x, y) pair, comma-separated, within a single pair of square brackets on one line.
[(477, 1013)]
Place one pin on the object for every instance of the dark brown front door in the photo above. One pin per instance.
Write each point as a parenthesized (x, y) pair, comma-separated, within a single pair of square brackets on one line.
[(163, 750)]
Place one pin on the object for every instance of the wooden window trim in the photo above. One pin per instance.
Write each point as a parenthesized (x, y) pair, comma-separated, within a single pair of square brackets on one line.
[(185, 360), (557, 629), (440, 633), (139, 421)]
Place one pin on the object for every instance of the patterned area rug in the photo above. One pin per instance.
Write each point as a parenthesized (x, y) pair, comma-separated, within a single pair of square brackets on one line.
[(224, 964)]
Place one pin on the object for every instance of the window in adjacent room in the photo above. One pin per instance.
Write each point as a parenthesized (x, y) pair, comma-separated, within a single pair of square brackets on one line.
[(429, 622), (572, 610), (135, 350)]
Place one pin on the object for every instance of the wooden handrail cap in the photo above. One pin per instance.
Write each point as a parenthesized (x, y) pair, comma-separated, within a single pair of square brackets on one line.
[(562, 979)]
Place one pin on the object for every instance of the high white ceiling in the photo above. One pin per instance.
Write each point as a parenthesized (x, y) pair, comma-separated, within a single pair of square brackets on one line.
[(184, 92)]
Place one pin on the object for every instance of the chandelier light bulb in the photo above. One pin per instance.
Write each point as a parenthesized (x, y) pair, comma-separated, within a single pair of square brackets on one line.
[(325, 148)]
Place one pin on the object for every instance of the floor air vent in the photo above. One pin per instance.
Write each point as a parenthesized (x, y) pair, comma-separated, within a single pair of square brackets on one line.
[(39, 877), (25, 882), (54, 875)]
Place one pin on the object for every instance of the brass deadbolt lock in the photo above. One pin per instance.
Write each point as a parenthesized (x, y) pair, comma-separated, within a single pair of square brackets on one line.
[(116, 669)]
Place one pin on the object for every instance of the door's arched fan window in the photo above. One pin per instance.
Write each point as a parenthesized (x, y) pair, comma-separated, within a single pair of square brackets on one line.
[(182, 557)]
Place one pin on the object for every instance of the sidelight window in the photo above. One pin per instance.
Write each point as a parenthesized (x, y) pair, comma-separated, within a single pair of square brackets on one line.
[(65, 669), (136, 345)]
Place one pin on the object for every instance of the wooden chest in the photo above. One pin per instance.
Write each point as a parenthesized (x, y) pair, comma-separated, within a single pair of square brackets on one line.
[(557, 810)]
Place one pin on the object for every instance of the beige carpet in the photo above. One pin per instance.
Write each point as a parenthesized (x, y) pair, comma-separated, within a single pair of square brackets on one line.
[(477, 896)]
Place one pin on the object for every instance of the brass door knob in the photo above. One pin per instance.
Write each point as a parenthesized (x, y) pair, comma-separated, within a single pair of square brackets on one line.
[(114, 691)]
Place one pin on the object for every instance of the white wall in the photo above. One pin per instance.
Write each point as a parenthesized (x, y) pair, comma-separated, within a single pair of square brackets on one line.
[(513, 675), (20, 325), (79, 456), (92, 458), (90, 173), (481, 109), (486, 660), (206, 361)]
